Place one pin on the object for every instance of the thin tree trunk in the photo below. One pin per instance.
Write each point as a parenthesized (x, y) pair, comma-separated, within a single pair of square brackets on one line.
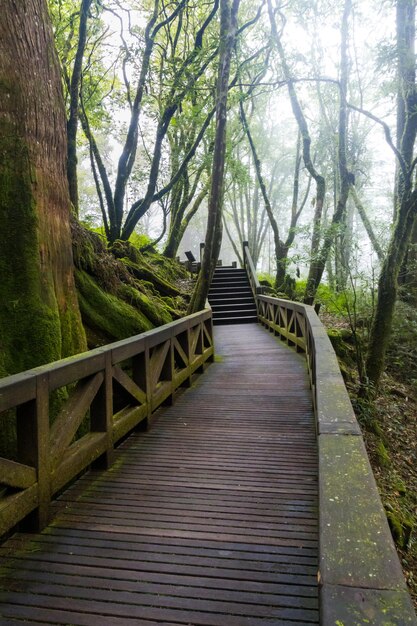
[(367, 224), (306, 139), (74, 96), (228, 30), (274, 225)]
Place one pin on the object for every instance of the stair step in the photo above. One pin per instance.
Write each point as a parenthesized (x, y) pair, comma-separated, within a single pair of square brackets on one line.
[(227, 288), (229, 270), (235, 306), (234, 320), (230, 280), (233, 313)]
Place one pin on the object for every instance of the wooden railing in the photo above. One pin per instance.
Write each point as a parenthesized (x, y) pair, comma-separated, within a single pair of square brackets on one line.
[(360, 576), (109, 391)]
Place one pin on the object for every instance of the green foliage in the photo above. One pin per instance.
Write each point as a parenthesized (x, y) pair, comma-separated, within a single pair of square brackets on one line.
[(140, 240), (265, 278)]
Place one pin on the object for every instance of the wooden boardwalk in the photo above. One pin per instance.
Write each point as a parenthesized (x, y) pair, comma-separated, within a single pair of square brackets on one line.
[(209, 518)]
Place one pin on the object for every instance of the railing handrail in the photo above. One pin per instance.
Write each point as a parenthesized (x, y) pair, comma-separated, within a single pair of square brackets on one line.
[(360, 575), (251, 270), (70, 364), (162, 360)]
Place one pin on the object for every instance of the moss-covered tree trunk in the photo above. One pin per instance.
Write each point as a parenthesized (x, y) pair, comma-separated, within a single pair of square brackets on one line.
[(405, 195), (39, 315)]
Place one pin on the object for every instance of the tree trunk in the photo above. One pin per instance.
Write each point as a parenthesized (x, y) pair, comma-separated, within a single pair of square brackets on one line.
[(228, 29), (406, 198), (406, 130), (367, 224), (39, 316), (72, 124), (387, 289)]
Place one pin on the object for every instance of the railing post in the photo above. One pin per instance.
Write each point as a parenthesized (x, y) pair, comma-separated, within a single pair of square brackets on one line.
[(101, 414), (167, 372), (32, 424), (245, 244), (141, 375), (202, 246)]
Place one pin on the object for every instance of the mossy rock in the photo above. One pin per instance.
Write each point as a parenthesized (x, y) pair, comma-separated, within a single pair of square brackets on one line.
[(152, 307), (108, 317), (342, 341), (169, 268), (349, 374)]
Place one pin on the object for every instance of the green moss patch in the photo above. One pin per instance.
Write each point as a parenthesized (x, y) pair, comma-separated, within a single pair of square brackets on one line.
[(108, 317)]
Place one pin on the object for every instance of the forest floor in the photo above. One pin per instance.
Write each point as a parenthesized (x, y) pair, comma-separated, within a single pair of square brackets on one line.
[(389, 428), (396, 413)]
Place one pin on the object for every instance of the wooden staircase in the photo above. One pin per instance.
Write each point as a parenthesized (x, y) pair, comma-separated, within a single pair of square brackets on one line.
[(231, 297)]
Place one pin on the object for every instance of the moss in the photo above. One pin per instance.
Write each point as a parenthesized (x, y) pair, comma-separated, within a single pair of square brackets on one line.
[(153, 308), (29, 320), (140, 268), (382, 456), (400, 486), (109, 317), (401, 526)]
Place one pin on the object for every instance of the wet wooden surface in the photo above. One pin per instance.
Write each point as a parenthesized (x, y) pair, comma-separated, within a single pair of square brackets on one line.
[(209, 518)]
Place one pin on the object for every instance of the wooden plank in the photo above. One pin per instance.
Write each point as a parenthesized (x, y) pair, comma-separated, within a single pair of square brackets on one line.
[(142, 604), (68, 371), (17, 389), (128, 577), (16, 475), (141, 543), (284, 595)]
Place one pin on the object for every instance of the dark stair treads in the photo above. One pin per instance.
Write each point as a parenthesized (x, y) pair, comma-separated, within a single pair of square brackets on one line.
[(231, 297)]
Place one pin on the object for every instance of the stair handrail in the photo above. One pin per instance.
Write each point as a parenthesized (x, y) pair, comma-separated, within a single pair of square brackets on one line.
[(120, 385), (360, 575), (251, 270)]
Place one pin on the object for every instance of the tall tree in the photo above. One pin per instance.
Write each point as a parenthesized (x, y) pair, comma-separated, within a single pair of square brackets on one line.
[(39, 316), (228, 30)]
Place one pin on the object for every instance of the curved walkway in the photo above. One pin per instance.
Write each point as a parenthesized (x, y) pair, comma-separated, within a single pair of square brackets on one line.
[(209, 518)]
